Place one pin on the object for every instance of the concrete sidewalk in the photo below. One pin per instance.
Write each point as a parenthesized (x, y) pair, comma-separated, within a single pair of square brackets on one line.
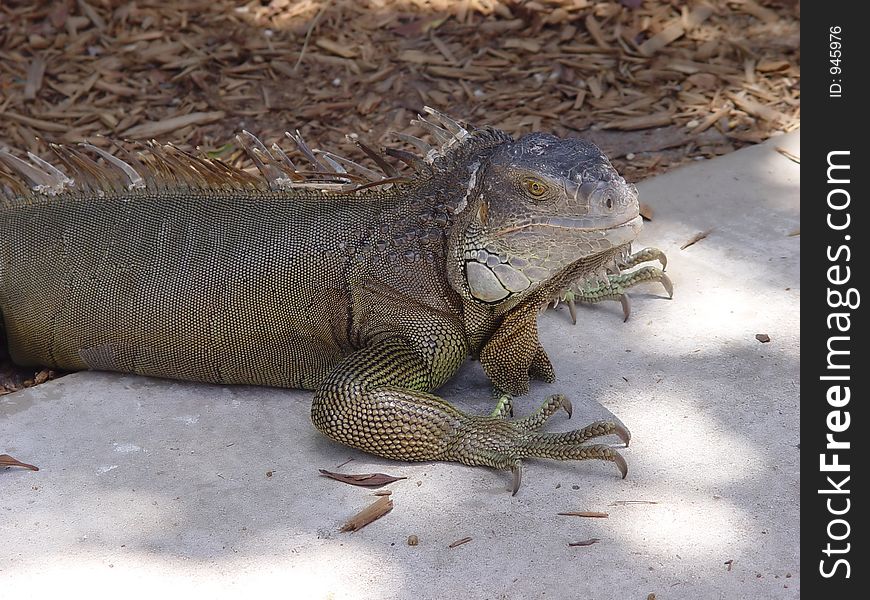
[(152, 487)]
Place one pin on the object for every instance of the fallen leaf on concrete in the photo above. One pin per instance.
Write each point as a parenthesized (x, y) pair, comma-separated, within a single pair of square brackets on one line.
[(588, 542), (8, 461), (413, 540), (464, 540), (365, 479), (646, 211), (762, 337), (372, 512), (585, 513), (730, 563), (696, 238), (627, 502)]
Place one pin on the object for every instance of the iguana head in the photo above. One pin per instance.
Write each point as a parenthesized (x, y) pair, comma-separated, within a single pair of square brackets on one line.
[(543, 212)]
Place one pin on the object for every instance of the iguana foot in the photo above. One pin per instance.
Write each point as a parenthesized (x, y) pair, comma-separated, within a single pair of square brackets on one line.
[(560, 446), (359, 404), (615, 286)]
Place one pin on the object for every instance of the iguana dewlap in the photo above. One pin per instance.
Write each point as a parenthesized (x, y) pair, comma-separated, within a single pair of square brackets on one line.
[(370, 293)]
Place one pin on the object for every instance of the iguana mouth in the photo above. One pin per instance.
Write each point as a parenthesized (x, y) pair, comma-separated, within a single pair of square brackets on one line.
[(578, 225)]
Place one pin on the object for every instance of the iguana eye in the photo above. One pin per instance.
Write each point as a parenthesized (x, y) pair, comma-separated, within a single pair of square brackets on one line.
[(535, 187)]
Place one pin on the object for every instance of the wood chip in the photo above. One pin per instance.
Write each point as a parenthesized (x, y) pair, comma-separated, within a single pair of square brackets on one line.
[(8, 461), (418, 57), (641, 122), (522, 43), (594, 29), (34, 77), (646, 211), (365, 479), (762, 337), (675, 30), (459, 542), (155, 128), (336, 48), (413, 540), (757, 109), (588, 542), (36, 123), (589, 513), (370, 513), (696, 238)]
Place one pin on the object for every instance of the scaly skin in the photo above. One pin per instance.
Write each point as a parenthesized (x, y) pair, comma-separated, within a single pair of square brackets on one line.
[(371, 296)]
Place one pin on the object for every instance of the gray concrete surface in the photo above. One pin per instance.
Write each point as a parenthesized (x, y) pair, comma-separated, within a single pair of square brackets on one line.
[(151, 487)]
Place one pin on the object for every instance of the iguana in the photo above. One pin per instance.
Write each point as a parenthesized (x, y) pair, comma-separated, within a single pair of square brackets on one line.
[(371, 290)]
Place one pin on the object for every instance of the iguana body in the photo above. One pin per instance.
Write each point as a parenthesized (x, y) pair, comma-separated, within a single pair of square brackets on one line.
[(188, 269)]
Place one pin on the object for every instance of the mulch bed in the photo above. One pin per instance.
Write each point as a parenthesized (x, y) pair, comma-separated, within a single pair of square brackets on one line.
[(654, 83)]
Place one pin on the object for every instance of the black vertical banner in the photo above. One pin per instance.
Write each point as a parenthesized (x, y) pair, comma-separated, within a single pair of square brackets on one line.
[(835, 49)]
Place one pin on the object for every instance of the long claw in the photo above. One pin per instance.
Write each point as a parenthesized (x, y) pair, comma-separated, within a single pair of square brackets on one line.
[(620, 464), (622, 433), (569, 408), (572, 309), (625, 300), (669, 286), (517, 472)]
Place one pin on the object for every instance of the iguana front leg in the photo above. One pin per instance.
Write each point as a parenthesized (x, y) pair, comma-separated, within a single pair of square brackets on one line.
[(616, 285), (376, 400)]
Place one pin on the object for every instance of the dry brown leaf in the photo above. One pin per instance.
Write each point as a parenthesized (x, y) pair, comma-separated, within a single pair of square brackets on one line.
[(370, 513), (365, 480), (8, 461), (762, 337)]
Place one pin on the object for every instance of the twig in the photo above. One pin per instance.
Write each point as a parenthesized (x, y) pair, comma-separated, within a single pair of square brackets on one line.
[(372, 512), (789, 155), (586, 513), (311, 27), (696, 238), (588, 542)]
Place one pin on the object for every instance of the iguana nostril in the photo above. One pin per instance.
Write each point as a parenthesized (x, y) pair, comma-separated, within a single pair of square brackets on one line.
[(609, 203)]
